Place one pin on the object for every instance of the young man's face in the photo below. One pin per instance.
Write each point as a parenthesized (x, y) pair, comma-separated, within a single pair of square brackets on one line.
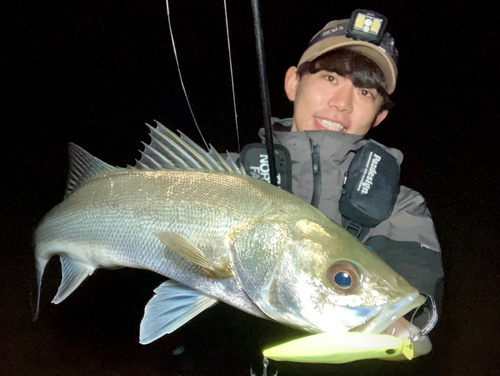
[(327, 101)]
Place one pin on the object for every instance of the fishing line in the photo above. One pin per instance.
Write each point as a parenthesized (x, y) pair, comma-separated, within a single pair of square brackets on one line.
[(180, 75), (232, 78), (230, 68)]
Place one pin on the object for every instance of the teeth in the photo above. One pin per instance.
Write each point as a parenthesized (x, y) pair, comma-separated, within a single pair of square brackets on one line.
[(331, 125)]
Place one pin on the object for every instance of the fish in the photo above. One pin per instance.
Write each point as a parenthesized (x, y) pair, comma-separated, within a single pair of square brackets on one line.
[(217, 235)]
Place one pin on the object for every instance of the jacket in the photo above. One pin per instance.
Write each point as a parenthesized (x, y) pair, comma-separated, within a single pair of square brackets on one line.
[(407, 240)]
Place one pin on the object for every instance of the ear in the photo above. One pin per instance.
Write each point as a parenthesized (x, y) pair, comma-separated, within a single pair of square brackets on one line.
[(291, 82), (380, 117)]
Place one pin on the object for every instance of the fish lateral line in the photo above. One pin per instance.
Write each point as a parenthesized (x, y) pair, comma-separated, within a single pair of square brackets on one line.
[(185, 248)]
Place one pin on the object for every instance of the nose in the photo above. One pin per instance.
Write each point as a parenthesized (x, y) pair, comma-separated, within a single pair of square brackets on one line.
[(342, 97)]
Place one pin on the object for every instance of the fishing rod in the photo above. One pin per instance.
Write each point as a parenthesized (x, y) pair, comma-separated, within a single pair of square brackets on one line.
[(264, 92)]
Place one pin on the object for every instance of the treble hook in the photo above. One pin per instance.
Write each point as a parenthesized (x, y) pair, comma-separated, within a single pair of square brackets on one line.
[(265, 362), (433, 318)]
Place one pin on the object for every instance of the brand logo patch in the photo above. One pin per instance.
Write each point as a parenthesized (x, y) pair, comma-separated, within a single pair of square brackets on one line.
[(262, 170), (369, 173)]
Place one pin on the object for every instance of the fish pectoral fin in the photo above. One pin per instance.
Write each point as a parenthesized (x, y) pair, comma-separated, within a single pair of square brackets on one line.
[(73, 273), (187, 249), (173, 305)]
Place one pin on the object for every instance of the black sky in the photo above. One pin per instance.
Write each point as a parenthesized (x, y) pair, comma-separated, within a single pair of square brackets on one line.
[(93, 72)]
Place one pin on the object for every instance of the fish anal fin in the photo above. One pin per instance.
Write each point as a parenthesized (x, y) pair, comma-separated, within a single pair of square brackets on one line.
[(172, 306), (187, 249), (73, 274)]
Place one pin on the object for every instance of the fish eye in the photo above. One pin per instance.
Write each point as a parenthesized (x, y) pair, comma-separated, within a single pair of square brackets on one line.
[(343, 279), (344, 276)]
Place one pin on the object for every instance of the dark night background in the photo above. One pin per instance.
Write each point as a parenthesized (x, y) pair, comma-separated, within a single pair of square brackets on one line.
[(93, 72)]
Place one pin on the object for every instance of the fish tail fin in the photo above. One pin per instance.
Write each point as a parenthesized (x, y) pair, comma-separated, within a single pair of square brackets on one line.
[(40, 266), (73, 274)]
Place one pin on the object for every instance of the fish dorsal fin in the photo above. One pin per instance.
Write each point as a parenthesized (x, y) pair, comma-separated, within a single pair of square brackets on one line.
[(82, 166), (188, 250), (169, 151)]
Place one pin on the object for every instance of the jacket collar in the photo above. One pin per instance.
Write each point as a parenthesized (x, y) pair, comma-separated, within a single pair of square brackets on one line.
[(333, 145)]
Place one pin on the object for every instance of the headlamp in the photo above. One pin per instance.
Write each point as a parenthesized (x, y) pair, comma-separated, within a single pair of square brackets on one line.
[(365, 32), (367, 26)]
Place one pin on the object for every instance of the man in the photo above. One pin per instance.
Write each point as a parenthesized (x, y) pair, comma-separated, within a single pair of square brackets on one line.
[(340, 90)]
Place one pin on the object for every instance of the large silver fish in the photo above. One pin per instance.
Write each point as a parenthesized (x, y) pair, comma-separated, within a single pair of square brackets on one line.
[(219, 235)]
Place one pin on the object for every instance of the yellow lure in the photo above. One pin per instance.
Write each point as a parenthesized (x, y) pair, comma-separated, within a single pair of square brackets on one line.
[(341, 348)]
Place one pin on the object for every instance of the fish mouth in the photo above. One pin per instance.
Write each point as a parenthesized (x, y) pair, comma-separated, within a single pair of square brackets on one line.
[(391, 313)]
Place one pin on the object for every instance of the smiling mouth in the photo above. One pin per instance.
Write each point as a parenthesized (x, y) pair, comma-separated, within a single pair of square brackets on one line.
[(330, 125)]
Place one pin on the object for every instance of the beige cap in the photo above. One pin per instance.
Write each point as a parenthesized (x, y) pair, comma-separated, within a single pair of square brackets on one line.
[(333, 36)]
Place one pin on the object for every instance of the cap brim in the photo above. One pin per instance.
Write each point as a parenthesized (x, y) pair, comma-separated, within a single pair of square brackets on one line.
[(373, 52)]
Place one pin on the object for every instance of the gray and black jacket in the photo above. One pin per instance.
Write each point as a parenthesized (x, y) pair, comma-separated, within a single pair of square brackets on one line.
[(407, 240)]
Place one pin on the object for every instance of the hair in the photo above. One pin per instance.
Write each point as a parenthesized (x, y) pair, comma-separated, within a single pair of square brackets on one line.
[(361, 70)]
